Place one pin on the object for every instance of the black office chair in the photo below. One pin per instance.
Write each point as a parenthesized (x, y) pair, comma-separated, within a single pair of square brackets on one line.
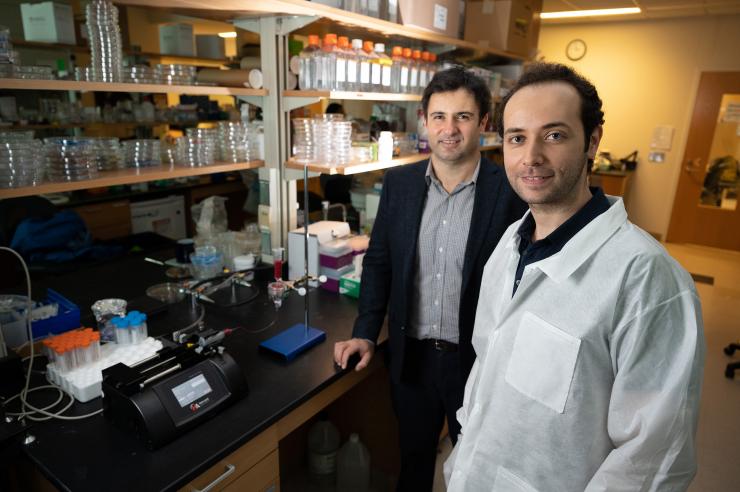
[(732, 366)]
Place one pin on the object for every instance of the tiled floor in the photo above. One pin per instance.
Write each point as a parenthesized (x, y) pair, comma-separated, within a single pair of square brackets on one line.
[(718, 441)]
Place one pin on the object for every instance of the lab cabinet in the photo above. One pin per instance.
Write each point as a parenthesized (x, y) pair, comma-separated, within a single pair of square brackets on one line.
[(254, 466), (107, 220)]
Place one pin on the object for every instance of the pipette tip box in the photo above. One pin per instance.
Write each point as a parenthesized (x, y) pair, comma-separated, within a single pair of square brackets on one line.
[(289, 343)]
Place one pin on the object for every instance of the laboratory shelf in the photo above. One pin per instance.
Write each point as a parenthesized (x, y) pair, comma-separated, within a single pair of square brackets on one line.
[(191, 60), (490, 147), (129, 176), (356, 168), (101, 124), (367, 96), (327, 18), (72, 85)]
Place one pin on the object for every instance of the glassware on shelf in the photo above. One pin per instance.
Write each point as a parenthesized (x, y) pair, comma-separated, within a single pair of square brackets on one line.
[(142, 152), (140, 74), (107, 153), (237, 142), (307, 78), (104, 36), (70, 159), (324, 139), (6, 46), (197, 148), (19, 162), (175, 74)]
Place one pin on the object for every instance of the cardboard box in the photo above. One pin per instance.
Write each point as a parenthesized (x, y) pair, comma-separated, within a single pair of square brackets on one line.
[(440, 16), (48, 22), (508, 25), (210, 46), (176, 39)]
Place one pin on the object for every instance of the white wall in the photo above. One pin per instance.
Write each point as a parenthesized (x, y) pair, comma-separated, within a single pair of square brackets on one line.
[(647, 74)]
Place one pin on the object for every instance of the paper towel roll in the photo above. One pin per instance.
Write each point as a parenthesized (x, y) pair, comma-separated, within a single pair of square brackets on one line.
[(233, 78), (250, 62)]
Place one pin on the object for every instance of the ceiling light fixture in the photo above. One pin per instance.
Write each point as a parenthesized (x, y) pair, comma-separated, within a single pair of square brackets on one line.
[(231, 34), (589, 13)]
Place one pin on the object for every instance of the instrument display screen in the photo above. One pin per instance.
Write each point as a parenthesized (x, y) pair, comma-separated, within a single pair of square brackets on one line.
[(192, 389)]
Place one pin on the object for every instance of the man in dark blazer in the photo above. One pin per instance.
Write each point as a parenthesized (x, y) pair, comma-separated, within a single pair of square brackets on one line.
[(437, 224)]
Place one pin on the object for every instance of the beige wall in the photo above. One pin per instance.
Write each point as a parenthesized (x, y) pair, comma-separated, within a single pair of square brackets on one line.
[(647, 74)]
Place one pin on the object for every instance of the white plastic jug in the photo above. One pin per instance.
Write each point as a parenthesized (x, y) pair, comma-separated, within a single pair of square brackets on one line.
[(353, 466)]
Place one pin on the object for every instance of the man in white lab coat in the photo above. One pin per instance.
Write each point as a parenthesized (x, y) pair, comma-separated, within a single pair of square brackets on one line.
[(588, 336)]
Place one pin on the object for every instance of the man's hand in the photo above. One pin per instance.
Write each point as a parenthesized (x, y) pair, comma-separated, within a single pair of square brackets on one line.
[(344, 350)]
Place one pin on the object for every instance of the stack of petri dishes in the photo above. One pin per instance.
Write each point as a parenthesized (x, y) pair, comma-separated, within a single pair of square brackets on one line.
[(19, 162), (175, 74), (104, 36), (39, 72), (107, 153), (168, 150), (236, 142), (140, 74), (333, 139), (197, 148), (142, 153), (70, 159), (304, 140)]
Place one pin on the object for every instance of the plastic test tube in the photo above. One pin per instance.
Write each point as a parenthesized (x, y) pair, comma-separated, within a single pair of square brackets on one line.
[(95, 344), (123, 336)]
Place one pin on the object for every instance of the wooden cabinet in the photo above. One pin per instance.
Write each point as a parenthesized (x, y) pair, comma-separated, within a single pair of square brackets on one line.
[(254, 466), (107, 220)]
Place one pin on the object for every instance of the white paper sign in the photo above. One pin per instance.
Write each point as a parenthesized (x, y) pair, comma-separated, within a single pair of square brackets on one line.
[(440, 17)]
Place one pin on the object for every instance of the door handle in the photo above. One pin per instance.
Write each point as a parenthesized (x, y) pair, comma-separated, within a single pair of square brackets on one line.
[(229, 469)]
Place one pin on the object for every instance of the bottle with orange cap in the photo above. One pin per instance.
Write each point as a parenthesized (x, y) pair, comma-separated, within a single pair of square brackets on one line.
[(375, 68), (307, 78), (399, 64), (432, 65), (326, 63), (364, 61), (386, 67), (424, 71), (408, 62), (343, 55), (414, 71)]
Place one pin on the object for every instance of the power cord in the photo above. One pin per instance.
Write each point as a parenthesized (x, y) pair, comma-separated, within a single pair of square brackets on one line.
[(23, 414)]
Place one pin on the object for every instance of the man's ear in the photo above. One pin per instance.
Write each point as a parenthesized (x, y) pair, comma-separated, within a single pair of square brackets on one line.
[(484, 121), (593, 141)]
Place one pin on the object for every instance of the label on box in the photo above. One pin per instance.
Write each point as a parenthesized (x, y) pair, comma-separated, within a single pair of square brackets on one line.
[(440, 17), (487, 7)]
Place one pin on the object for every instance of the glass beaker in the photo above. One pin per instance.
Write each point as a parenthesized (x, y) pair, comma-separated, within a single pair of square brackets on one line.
[(276, 292), (277, 259)]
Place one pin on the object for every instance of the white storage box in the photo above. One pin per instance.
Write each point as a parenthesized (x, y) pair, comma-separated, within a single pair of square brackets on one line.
[(165, 216), (48, 22), (176, 39), (318, 233)]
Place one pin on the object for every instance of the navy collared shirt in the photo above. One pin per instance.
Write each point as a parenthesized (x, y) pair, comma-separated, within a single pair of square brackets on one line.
[(530, 252)]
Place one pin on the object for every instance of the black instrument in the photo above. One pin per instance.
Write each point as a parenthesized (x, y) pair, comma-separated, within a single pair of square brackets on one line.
[(162, 397)]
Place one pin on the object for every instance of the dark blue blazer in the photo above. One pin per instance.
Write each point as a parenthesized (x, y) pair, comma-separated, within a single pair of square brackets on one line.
[(388, 268)]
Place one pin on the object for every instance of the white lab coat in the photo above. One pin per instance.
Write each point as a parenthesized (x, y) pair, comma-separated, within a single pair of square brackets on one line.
[(589, 377)]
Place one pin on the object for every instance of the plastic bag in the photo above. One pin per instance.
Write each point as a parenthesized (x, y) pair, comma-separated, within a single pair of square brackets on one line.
[(210, 216)]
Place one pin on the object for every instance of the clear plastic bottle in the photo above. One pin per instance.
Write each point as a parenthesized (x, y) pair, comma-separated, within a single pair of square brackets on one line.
[(375, 68), (307, 77), (343, 55), (353, 66), (386, 67), (406, 86), (416, 72), (424, 71), (323, 444), (353, 466), (432, 65), (326, 62), (398, 65)]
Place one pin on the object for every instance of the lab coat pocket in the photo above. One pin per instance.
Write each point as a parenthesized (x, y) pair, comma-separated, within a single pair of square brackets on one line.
[(508, 482), (543, 362)]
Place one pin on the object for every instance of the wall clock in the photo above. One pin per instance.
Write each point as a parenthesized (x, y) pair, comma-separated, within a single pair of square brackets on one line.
[(576, 49)]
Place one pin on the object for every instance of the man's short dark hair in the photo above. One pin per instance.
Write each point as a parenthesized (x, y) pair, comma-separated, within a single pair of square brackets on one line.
[(456, 78), (542, 73)]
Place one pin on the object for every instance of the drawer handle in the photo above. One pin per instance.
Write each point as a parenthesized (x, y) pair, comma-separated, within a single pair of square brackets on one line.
[(229, 470)]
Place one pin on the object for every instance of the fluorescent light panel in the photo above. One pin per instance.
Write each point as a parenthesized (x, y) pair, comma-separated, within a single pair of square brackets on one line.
[(231, 34), (589, 13)]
